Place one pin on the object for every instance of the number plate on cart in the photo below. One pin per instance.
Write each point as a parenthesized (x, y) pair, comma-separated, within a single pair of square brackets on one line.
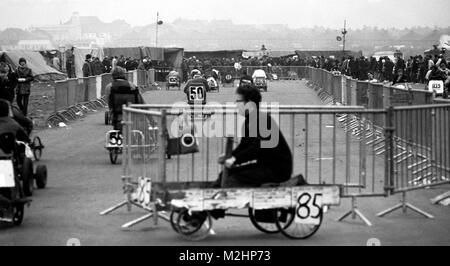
[(6, 174), (308, 207)]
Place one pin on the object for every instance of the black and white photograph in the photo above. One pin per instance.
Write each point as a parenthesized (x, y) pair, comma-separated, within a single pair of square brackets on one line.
[(235, 126)]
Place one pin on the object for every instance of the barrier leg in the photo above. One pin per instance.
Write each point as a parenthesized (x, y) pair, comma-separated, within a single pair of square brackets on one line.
[(118, 206), (404, 205), (441, 198), (355, 213)]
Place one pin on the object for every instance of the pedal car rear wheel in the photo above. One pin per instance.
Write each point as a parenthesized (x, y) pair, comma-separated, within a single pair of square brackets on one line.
[(27, 177), (194, 227), (113, 155), (294, 230), (37, 148), (41, 176), (268, 227)]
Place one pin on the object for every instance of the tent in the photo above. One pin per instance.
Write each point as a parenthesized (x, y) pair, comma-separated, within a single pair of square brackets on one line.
[(35, 61), (215, 54), (174, 56)]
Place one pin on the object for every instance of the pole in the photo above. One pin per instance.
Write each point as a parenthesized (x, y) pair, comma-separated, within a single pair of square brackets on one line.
[(344, 32), (157, 20)]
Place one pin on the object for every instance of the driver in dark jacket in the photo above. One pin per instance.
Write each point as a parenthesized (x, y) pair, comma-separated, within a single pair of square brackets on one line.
[(253, 164), (9, 125), (121, 92)]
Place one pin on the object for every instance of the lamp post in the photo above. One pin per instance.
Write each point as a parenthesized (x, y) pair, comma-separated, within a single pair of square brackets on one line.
[(343, 39), (158, 23), (344, 33)]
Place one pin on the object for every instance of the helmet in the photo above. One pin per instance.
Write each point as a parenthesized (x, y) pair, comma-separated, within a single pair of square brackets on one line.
[(119, 73)]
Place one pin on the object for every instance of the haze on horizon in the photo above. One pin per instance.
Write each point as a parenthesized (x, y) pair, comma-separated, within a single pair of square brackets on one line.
[(294, 13)]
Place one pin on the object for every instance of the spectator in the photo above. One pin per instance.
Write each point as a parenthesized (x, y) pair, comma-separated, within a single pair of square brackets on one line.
[(70, 63), (56, 63), (97, 67), (24, 78), (107, 65), (87, 67), (8, 82)]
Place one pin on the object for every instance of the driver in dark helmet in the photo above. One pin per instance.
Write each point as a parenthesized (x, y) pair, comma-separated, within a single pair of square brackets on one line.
[(121, 92)]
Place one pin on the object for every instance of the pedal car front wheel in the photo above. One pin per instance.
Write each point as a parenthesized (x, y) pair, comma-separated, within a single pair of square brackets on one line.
[(195, 226), (113, 155), (37, 147), (41, 176), (18, 214), (293, 230)]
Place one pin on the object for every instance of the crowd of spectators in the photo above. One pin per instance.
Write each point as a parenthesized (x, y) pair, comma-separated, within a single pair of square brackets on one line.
[(93, 66)]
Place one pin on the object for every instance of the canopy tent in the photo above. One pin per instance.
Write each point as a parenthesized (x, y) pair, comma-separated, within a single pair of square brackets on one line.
[(215, 54), (80, 57), (156, 54), (133, 52), (35, 61), (278, 54), (174, 56), (337, 54)]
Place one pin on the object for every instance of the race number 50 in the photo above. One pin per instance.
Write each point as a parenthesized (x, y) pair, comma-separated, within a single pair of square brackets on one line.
[(196, 93), (309, 208)]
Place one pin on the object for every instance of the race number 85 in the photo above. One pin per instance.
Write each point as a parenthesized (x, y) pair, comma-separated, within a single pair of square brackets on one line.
[(196, 93), (309, 208)]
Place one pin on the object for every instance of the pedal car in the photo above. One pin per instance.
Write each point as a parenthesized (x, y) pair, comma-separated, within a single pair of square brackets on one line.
[(213, 84), (228, 80), (260, 79), (12, 196), (260, 83), (173, 81), (114, 145)]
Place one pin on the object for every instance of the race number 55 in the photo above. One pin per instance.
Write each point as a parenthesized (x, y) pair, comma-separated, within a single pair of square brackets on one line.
[(196, 93), (309, 208)]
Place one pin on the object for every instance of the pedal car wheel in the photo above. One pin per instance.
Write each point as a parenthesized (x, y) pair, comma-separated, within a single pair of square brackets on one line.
[(18, 213), (294, 230), (194, 227), (114, 155), (106, 118), (41, 176), (268, 227), (173, 220), (27, 177), (37, 148)]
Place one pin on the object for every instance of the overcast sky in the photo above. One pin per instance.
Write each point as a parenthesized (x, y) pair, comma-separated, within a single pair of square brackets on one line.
[(295, 13)]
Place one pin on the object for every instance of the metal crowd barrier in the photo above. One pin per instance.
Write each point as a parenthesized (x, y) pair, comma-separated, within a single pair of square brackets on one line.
[(327, 148), (76, 97), (420, 149)]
